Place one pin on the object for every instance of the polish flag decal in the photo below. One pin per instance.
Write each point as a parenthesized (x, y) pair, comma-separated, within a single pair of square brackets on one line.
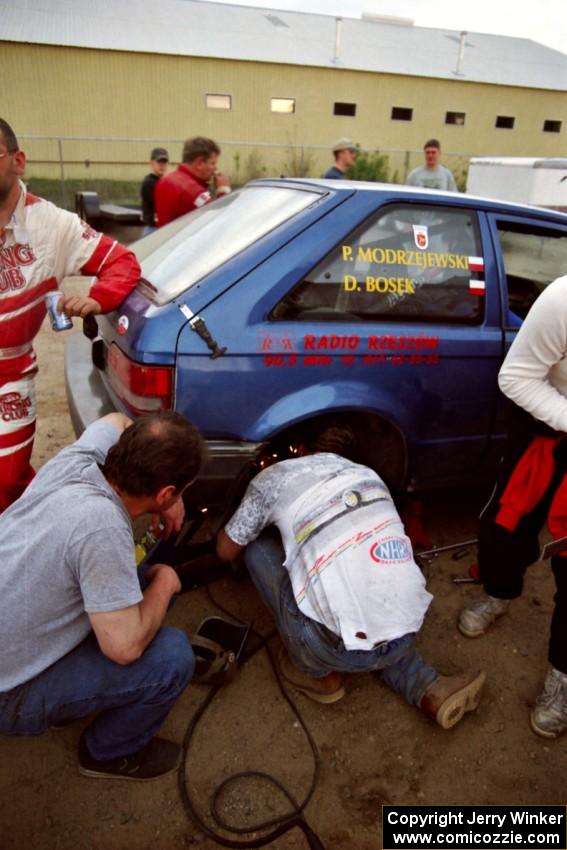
[(477, 287), (476, 264)]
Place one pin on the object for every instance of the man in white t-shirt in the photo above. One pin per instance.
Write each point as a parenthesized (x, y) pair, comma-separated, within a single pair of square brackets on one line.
[(344, 590)]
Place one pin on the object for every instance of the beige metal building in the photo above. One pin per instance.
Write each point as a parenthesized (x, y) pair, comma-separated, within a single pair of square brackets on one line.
[(105, 81)]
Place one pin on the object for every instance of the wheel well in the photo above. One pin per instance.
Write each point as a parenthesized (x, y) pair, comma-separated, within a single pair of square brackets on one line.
[(379, 444)]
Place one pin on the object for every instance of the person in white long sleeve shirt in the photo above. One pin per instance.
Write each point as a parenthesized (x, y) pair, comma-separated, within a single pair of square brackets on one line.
[(534, 374), (531, 488)]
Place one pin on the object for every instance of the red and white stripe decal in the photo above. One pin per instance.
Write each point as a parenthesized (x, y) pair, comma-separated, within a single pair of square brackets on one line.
[(12, 450), (23, 365), (476, 264), (14, 440), (21, 326), (477, 287), (99, 256), (10, 304)]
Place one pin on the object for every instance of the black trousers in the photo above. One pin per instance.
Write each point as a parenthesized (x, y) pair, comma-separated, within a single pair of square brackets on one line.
[(504, 556)]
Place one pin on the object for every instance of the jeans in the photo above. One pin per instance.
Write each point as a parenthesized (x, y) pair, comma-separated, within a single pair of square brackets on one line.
[(314, 649), (132, 700)]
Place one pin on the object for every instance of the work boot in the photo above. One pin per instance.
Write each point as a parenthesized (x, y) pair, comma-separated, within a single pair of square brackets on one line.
[(450, 697), (476, 617), (549, 717), (156, 759), (326, 689)]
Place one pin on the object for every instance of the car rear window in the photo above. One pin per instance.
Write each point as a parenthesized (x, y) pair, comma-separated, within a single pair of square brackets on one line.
[(183, 252)]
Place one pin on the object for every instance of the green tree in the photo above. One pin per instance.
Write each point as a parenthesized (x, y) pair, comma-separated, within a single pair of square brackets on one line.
[(254, 166), (370, 166), (298, 162)]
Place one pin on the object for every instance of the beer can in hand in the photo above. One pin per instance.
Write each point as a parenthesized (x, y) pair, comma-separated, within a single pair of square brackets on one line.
[(59, 321)]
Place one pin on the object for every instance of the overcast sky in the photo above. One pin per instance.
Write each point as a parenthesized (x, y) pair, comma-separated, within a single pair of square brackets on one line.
[(541, 20)]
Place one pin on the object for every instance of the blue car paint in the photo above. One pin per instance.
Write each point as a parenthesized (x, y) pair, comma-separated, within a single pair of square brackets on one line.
[(449, 426), (447, 413), (153, 332)]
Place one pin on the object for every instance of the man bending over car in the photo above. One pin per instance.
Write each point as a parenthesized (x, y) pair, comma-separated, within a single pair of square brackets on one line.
[(328, 553)]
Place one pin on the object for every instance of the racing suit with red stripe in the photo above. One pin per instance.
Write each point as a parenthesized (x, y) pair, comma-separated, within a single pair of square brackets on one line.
[(39, 247)]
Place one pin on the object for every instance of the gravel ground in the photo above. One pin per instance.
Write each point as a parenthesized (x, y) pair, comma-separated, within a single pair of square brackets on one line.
[(374, 749)]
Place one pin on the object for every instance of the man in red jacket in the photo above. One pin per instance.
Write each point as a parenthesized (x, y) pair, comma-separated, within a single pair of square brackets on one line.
[(187, 188), (40, 244)]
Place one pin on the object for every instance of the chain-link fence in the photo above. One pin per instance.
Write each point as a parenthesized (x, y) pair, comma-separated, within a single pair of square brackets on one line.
[(114, 167)]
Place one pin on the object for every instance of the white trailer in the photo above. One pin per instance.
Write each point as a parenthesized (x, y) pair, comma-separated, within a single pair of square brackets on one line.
[(526, 180)]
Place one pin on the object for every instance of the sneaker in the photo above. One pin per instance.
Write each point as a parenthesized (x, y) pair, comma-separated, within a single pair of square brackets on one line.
[(450, 697), (156, 759), (326, 689), (549, 717), (476, 617)]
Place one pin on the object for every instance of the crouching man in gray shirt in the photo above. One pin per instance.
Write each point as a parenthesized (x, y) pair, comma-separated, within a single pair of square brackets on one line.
[(77, 634)]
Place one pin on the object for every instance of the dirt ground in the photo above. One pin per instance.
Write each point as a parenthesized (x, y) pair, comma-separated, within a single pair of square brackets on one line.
[(374, 748)]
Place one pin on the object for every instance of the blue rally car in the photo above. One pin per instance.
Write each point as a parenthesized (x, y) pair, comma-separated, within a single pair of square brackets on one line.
[(288, 300)]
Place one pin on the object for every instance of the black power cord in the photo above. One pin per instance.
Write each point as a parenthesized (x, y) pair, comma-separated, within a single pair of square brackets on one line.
[(279, 825)]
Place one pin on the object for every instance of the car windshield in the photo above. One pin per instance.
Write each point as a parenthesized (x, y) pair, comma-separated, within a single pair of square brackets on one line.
[(178, 255)]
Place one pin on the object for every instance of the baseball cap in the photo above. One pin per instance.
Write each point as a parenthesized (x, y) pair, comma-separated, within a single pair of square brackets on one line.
[(159, 154), (344, 145)]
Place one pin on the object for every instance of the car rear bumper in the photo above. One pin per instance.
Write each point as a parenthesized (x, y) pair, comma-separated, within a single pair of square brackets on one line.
[(229, 463), (87, 397)]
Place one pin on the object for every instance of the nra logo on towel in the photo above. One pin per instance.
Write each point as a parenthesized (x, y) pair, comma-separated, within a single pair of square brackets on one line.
[(391, 550)]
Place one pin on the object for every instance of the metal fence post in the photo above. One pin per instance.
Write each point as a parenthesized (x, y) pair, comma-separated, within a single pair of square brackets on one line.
[(406, 165), (61, 172)]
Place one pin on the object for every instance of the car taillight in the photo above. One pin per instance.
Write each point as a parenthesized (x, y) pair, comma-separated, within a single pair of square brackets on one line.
[(142, 388)]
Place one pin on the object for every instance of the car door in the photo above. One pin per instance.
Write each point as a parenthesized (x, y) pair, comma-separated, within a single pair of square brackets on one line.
[(406, 307), (391, 317), (530, 253)]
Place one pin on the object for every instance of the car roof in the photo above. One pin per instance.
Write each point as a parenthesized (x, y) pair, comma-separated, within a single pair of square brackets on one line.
[(395, 191)]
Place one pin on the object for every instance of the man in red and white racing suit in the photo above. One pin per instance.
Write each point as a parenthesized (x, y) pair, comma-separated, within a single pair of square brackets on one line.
[(39, 245)]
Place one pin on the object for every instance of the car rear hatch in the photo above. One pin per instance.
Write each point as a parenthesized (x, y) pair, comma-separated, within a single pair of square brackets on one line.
[(185, 266)]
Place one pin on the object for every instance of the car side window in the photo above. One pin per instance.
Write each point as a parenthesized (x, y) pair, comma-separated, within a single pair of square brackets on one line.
[(406, 262), (533, 257)]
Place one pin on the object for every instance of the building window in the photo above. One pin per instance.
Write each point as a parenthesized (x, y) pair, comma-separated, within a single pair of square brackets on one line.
[(505, 122), (283, 104), (401, 113), (218, 101), (457, 118), (344, 109), (552, 126)]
